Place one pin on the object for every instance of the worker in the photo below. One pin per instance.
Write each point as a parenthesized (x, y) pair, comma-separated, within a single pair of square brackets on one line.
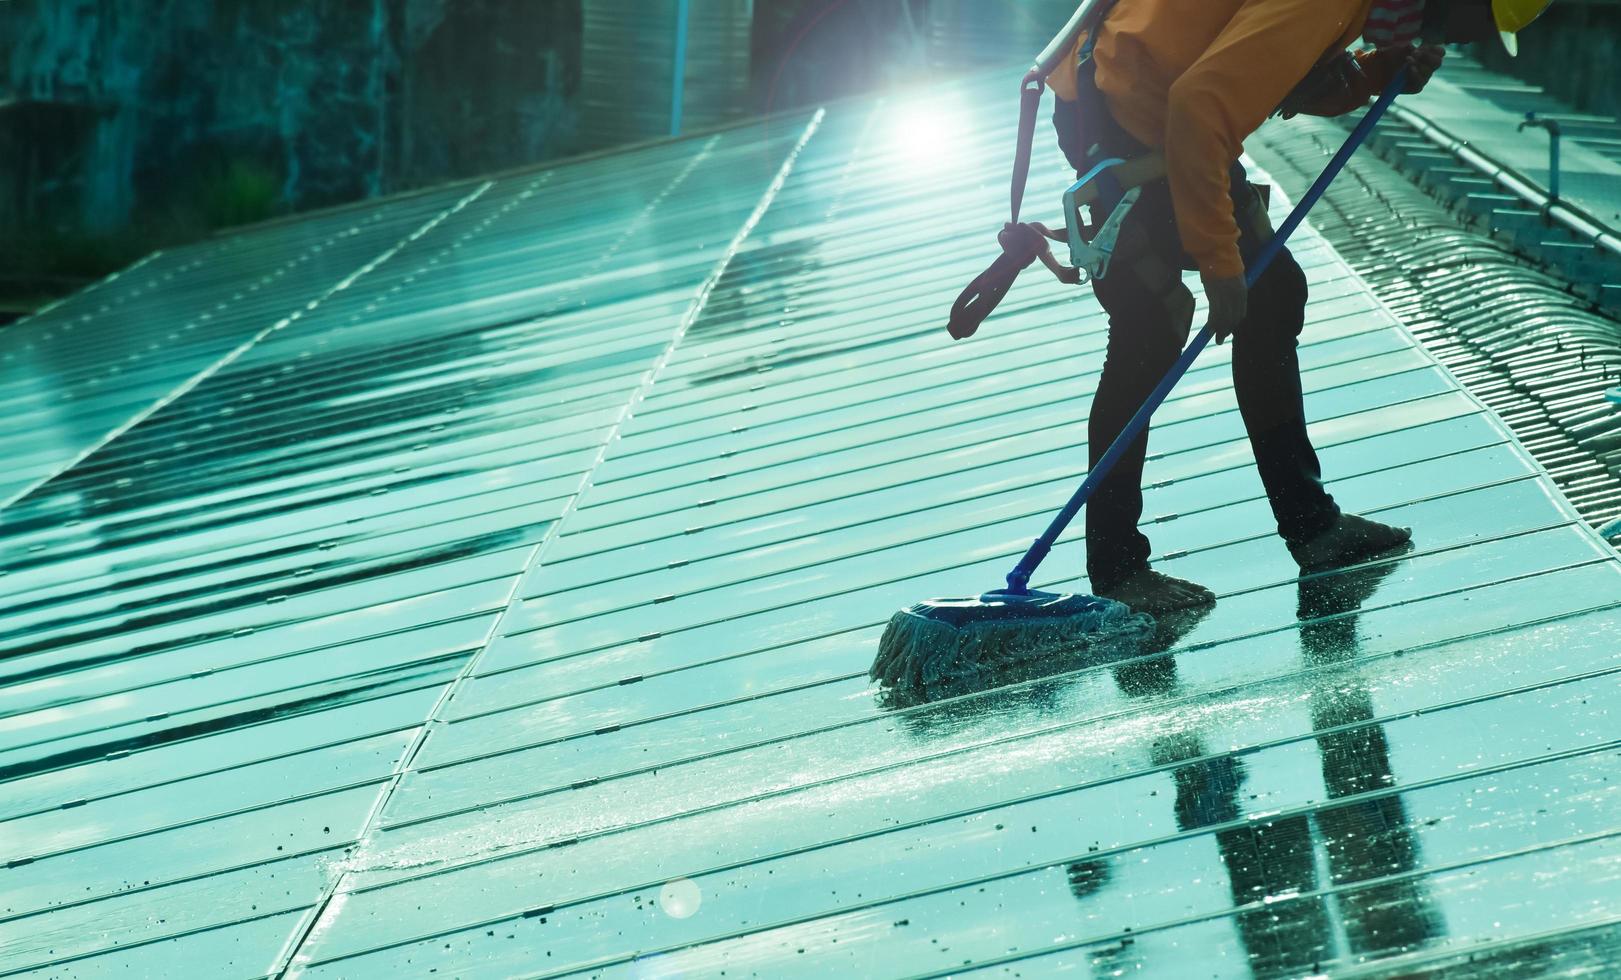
[(1195, 79)]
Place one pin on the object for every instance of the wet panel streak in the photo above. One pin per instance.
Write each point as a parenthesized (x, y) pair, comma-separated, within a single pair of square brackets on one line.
[(208, 370), (294, 955), (177, 761), (205, 903), (502, 731), (1181, 794), (244, 948), (271, 648), (1081, 721)]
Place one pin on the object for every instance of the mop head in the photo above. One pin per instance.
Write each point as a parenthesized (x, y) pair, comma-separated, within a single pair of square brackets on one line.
[(949, 646)]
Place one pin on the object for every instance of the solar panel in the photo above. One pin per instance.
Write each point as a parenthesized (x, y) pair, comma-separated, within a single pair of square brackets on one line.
[(507, 612)]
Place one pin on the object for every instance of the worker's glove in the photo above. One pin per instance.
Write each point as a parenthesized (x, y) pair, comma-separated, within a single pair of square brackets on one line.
[(1421, 62), (1333, 87), (1228, 300), (1346, 83)]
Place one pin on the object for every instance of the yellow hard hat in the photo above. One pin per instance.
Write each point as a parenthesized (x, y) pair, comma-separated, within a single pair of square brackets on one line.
[(1513, 15)]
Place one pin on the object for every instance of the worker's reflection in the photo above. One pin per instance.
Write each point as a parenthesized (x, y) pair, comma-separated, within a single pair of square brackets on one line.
[(1274, 867), (1371, 838), (1361, 840)]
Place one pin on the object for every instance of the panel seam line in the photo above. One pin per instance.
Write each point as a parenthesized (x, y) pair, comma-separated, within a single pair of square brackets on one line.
[(185, 387), (290, 962)]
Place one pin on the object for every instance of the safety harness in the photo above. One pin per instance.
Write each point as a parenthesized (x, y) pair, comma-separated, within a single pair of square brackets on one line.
[(1023, 243), (1092, 241)]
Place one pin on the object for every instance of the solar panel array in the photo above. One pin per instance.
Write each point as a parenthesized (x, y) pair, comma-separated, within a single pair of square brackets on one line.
[(507, 610)]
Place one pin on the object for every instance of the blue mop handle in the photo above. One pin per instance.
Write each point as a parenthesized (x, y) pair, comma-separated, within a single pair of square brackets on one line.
[(1018, 580)]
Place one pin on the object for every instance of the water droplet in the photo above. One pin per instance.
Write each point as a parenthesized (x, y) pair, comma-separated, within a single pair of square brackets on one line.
[(680, 898)]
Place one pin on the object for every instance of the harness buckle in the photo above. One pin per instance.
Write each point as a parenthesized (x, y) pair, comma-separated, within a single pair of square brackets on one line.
[(1092, 243)]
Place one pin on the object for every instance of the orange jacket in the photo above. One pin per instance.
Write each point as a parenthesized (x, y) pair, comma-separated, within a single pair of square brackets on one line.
[(1198, 76)]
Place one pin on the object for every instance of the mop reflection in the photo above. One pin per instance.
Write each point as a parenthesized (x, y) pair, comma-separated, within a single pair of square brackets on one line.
[(1285, 923)]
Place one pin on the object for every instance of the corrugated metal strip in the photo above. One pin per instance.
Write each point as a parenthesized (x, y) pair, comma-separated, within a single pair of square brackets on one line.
[(629, 52), (977, 33)]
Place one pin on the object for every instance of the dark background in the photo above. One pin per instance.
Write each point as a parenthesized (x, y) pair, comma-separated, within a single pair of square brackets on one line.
[(129, 124)]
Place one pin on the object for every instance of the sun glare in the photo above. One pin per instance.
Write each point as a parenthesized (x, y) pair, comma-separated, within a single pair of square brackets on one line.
[(924, 133)]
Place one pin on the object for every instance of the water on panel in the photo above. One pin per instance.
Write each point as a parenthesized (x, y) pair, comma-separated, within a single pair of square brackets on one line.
[(501, 605)]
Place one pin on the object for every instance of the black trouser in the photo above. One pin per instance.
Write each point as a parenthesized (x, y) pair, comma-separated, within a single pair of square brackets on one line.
[(1150, 316)]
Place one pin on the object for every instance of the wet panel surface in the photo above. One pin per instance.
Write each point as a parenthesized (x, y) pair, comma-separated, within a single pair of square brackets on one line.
[(228, 627), (500, 604)]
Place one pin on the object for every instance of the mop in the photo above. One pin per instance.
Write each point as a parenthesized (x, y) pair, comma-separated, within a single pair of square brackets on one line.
[(941, 641)]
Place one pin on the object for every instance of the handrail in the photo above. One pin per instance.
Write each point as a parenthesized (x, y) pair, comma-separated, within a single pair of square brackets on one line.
[(1573, 217)]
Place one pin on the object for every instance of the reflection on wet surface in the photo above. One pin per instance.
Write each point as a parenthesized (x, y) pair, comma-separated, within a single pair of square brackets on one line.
[(507, 612), (226, 627), (1358, 841)]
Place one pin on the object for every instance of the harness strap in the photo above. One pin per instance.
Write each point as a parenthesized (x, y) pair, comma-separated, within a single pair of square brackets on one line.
[(1021, 244), (1029, 104)]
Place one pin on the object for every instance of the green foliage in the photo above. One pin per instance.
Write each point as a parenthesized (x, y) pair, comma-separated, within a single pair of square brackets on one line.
[(51, 260), (240, 192), (64, 255)]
